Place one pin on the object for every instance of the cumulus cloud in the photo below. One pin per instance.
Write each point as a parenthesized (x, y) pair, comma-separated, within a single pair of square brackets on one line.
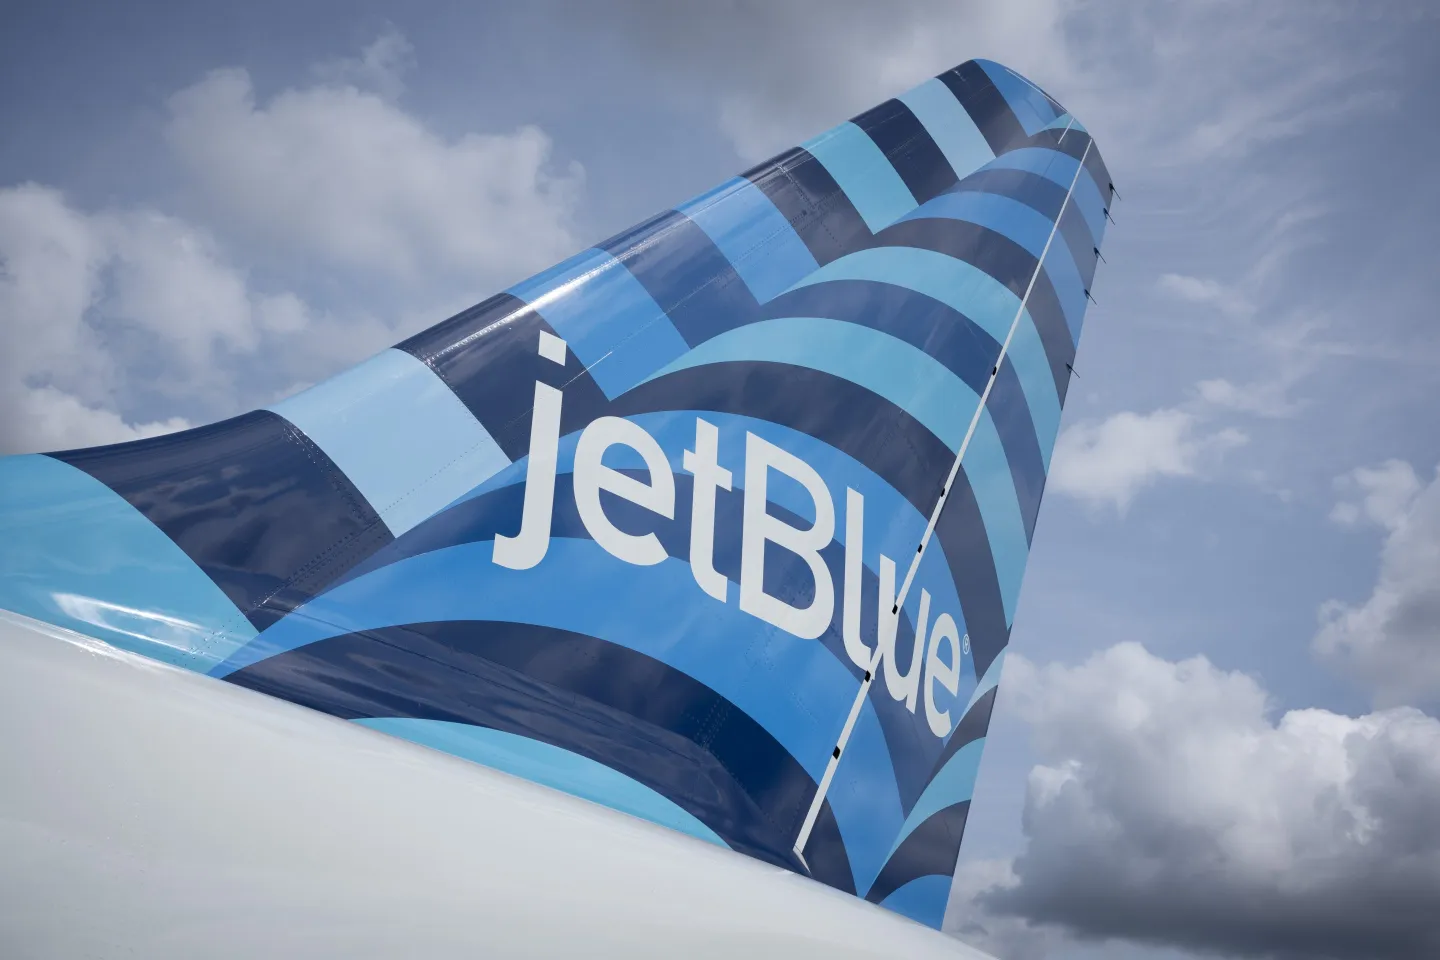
[(1390, 642), (100, 307), (1127, 70), (340, 174), (1204, 291), (54, 379), (1267, 398), (381, 66), (45, 418), (1172, 807), (1381, 494), (128, 321), (807, 65), (1109, 462), (1000, 935)]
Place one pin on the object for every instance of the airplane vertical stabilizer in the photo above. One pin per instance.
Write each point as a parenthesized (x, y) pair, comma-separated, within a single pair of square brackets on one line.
[(721, 522)]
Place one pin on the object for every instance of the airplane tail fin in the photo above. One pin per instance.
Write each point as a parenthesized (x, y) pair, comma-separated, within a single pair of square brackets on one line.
[(721, 522)]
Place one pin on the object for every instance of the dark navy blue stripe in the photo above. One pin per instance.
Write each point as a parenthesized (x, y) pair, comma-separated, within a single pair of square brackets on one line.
[(1070, 142), (489, 356), (930, 850), (1041, 194), (1047, 198), (952, 339), (1081, 243), (1074, 143), (252, 500), (870, 429), (1010, 413), (942, 332), (986, 105), (1074, 227), (1103, 179), (1004, 260), (974, 725), (909, 148), (618, 707), (686, 274), (805, 192), (972, 566), (786, 576)]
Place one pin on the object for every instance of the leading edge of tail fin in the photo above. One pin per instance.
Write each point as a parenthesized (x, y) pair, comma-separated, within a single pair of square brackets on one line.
[(661, 526)]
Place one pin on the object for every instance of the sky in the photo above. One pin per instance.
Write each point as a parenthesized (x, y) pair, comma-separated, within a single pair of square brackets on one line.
[(1217, 730)]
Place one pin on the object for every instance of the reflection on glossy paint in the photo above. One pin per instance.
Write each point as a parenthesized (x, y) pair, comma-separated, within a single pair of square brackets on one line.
[(149, 625), (521, 525)]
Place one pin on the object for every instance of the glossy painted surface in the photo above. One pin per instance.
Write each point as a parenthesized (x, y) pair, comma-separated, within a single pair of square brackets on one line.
[(635, 527), (161, 815)]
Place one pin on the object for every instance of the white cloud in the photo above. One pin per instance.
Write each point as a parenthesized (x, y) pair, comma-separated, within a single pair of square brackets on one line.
[(808, 66), (45, 418), (169, 278), (340, 174), (1267, 398), (55, 376), (1385, 494), (1000, 935), (1391, 642), (1111, 461), (1203, 291), (108, 312), (1129, 71), (126, 321), (381, 66), (1171, 807)]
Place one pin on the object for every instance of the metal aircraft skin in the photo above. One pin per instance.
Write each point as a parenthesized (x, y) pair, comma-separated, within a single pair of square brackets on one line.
[(719, 524)]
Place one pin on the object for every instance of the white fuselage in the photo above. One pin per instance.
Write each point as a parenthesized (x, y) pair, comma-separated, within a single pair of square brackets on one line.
[(150, 812)]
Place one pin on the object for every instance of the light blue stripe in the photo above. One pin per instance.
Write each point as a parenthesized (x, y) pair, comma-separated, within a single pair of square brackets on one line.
[(1092, 205), (863, 172), (755, 237), (795, 688), (954, 783), (912, 380), (546, 764), (923, 899), (1060, 168), (1051, 164), (1027, 227), (989, 682), (903, 374), (979, 296), (950, 126), (399, 433), (76, 554), (1069, 287), (1066, 120), (867, 806), (606, 316), (1031, 107), (1018, 221)]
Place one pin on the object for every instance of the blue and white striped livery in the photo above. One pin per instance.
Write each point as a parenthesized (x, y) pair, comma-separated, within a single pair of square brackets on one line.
[(721, 523)]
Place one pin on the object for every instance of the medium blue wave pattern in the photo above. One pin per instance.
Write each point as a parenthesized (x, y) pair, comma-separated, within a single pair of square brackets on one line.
[(845, 302)]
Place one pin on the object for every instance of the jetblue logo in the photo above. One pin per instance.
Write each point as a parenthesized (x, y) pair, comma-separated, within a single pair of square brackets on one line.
[(935, 660)]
